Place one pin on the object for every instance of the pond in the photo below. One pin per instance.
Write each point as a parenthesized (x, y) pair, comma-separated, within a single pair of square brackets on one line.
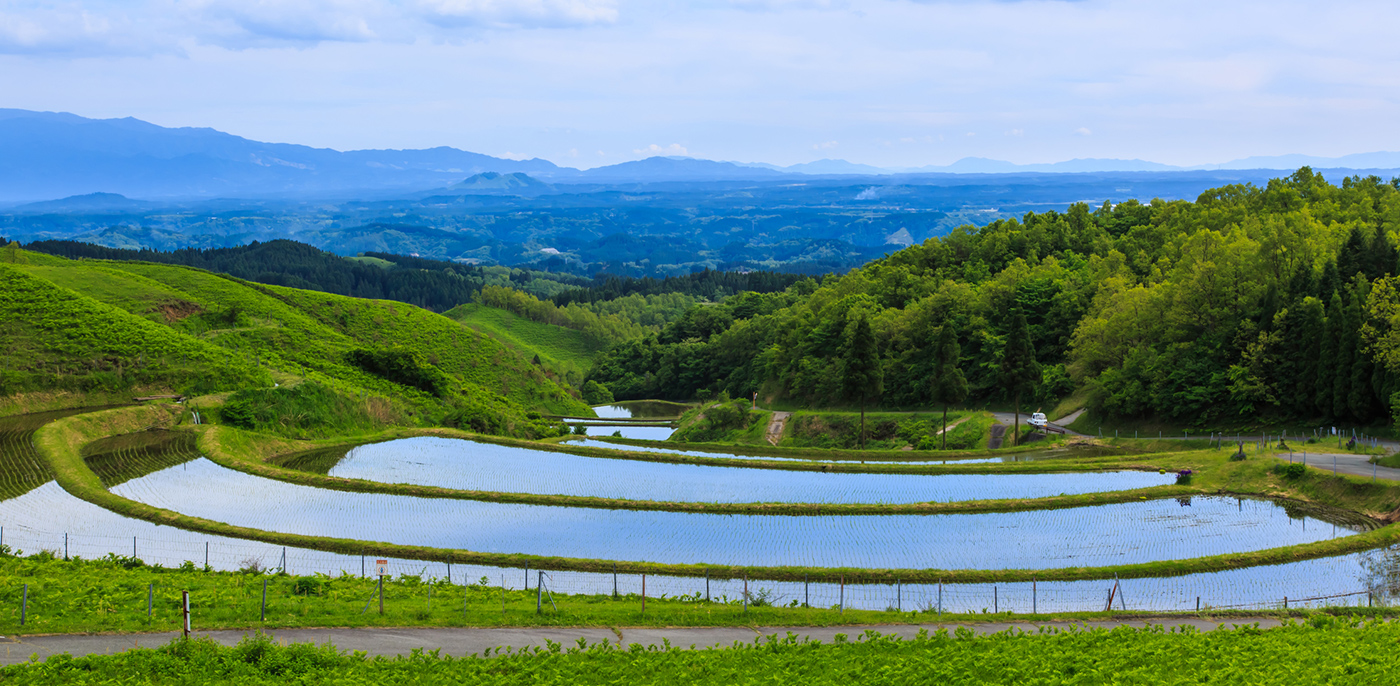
[(467, 465), (640, 409), (1125, 533)]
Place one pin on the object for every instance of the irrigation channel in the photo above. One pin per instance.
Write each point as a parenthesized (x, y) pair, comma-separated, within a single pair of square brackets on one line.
[(164, 469), (468, 465)]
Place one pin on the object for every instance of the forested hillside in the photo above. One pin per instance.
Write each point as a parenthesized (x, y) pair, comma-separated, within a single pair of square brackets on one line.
[(1249, 303), (85, 327)]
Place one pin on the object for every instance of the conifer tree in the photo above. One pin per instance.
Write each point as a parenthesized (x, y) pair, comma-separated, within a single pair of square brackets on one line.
[(861, 376), (1342, 328), (949, 384), (1020, 373)]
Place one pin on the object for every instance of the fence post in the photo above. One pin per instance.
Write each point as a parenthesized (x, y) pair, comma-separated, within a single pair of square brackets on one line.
[(527, 576), (843, 594), (995, 608), (262, 616), (707, 583), (1034, 605), (24, 605), (898, 595), (449, 572), (381, 595), (362, 565), (539, 594), (150, 602), (206, 554), (806, 591), (65, 545), (133, 547), (940, 597), (1198, 603), (644, 593), (746, 591), (186, 603), (1285, 602)]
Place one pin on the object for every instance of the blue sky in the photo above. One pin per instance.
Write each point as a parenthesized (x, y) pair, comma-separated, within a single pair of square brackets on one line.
[(591, 82)]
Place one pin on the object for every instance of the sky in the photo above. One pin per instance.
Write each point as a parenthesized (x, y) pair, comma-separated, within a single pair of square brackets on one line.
[(584, 83)]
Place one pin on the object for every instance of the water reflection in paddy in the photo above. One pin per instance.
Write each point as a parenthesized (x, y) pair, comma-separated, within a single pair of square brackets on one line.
[(1086, 536), (467, 465), (679, 449)]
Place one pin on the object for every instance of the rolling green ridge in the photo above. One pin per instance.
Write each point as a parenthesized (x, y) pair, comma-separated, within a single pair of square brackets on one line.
[(90, 326), (567, 351)]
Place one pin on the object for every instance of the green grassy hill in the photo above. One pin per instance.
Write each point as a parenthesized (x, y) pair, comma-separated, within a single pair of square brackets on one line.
[(565, 351), (94, 326)]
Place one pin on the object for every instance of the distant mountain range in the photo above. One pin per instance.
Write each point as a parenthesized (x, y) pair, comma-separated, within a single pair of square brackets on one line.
[(46, 155)]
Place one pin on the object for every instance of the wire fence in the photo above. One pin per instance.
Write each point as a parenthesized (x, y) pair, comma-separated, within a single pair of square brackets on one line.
[(1329, 582)]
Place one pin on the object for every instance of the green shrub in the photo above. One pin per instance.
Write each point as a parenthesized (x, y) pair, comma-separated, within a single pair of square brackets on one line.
[(402, 367), (595, 393), (1292, 470), (306, 409), (310, 585)]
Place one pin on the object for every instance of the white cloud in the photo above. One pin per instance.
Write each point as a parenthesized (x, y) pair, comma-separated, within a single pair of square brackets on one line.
[(1016, 132), (673, 149), (254, 23), (824, 146), (519, 13), (1084, 131), (68, 29)]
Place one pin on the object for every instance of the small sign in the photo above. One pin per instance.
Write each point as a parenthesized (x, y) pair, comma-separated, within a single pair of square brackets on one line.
[(381, 568)]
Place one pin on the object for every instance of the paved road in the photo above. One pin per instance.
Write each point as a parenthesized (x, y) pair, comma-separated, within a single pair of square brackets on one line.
[(469, 641), (1356, 465), (1008, 418)]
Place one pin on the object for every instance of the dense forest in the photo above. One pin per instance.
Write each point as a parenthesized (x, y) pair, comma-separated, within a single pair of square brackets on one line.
[(1249, 303)]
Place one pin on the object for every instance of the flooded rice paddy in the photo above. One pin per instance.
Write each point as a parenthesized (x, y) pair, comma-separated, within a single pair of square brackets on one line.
[(895, 457), (467, 465), (1128, 533), (36, 514)]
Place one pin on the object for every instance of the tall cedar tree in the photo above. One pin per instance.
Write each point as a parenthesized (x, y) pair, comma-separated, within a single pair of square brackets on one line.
[(1342, 327), (949, 384), (1019, 371), (861, 376)]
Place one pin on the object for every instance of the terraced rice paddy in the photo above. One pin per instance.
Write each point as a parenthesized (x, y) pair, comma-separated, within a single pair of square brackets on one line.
[(21, 470), (46, 517), (466, 465), (1073, 537)]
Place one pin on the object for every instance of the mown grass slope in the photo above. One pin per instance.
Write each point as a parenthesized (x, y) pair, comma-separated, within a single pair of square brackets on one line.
[(566, 351), (91, 326)]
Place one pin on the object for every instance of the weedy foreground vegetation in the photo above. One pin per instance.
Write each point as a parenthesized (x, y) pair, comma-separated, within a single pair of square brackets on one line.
[(1325, 650)]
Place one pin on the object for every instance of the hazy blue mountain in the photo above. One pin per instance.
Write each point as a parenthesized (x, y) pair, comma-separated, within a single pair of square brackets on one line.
[(672, 169), (91, 202), (491, 183), (1364, 160), (46, 155), (51, 155), (982, 165), (828, 166)]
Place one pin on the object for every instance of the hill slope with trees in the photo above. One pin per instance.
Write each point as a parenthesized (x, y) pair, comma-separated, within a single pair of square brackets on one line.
[(1250, 303)]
